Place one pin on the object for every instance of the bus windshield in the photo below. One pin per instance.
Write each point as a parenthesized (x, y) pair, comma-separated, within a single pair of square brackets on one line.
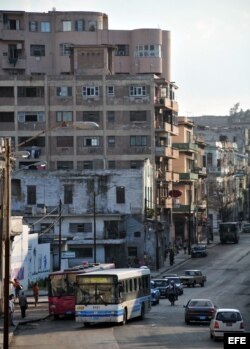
[(97, 294), (62, 285)]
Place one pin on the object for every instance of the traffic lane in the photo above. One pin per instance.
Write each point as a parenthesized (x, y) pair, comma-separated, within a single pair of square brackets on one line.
[(63, 333), (164, 327)]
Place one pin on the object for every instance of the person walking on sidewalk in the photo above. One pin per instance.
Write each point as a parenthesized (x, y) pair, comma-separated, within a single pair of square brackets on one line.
[(17, 286), (23, 304), (35, 290), (11, 309)]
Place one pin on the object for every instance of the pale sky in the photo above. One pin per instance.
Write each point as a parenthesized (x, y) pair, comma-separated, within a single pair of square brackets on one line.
[(210, 44)]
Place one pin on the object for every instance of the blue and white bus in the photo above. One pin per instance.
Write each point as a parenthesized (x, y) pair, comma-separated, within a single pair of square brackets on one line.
[(113, 295)]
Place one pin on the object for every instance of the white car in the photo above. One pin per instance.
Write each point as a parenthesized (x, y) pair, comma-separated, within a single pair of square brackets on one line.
[(226, 320)]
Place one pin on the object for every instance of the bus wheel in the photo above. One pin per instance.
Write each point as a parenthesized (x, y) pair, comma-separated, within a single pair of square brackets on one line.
[(142, 316), (86, 324), (124, 319)]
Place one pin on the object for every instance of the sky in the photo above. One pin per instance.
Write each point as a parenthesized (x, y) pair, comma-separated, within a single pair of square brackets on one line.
[(210, 44)]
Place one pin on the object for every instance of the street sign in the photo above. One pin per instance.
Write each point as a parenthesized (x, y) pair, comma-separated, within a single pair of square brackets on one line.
[(68, 254)]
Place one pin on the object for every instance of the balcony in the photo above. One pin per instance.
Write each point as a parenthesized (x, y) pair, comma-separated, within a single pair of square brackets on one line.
[(186, 147), (164, 102), (166, 151), (184, 209), (188, 176), (13, 63)]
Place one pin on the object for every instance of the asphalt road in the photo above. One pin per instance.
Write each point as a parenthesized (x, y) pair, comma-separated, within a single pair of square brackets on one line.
[(228, 285)]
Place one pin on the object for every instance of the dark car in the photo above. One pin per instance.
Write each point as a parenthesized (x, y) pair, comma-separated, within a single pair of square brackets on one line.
[(245, 228), (199, 310), (162, 285), (177, 281), (199, 251), (155, 294)]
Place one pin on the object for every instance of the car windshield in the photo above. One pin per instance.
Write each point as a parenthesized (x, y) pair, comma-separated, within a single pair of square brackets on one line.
[(175, 279), (200, 303), (228, 316), (160, 283), (199, 247)]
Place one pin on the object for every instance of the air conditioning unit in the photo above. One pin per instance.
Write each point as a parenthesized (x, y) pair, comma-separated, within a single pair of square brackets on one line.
[(19, 46)]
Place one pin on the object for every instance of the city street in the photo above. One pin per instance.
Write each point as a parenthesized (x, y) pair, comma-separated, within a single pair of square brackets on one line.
[(226, 268)]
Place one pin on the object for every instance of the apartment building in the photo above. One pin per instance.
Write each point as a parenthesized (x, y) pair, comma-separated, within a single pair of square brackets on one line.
[(190, 203), (60, 70)]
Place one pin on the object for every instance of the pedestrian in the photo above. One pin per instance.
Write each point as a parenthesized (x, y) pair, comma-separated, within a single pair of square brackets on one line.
[(23, 303), (171, 256), (185, 246), (17, 286), (35, 290), (11, 309)]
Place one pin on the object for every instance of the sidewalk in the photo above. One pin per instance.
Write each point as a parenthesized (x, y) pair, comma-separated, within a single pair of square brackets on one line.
[(33, 314)]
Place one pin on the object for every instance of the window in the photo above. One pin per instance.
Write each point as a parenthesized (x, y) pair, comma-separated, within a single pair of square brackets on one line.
[(6, 116), (68, 194), (31, 116), (92, 26), (83, 253), (33, 26), (66, 49), (110, 90), (137, 91), (90, 91), (111, 141), (111, 165), (136, 141), (120, 195), (87, 165), (111, 116), (37, 50), (122, 50), (132, 251), (14, 24), (137, 234), (31, 194), (148, 50), (64, 116), (80, 227), (64, 91), (91, 141), (138, 115), (23, 91), (66, 26), (45, 27), (65, 165), (91, 116), (6, 91), (64, 141), (80, 25)]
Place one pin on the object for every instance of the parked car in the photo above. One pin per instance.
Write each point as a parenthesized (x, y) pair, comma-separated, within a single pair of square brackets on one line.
[(199, 251), (155, 294), (162, 285), (226, 320), (177, 281), (199, 310), (245, 228)]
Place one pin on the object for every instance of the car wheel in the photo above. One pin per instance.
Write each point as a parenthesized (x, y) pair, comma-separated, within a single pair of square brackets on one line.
[(202, 284), (211, 335), (187, 321)]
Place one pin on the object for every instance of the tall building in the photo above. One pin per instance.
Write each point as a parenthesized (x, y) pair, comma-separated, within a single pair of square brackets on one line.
[(62, 69)]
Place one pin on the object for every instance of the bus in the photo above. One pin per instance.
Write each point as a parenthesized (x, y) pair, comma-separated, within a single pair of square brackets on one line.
[(229, 232), (112, 296), (61, 287)]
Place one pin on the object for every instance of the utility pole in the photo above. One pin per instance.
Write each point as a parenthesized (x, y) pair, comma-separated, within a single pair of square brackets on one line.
[(189, 218), (6, 208), (60, 235), (94, 218)]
